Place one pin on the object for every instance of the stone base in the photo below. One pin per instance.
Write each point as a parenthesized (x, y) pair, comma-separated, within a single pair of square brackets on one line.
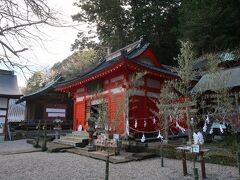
[(89, 148)]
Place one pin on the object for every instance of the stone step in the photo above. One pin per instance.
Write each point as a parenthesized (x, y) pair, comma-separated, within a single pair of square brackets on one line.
[(72, 142), (56, 147), (72, 138), (141, 156), (68, 142), (79, 134)]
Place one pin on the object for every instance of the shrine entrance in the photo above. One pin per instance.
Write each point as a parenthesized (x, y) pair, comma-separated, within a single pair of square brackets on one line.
[(98, 110)]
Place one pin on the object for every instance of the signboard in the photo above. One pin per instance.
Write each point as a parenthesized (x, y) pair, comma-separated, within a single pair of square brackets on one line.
[(55, 110), (195, 148)]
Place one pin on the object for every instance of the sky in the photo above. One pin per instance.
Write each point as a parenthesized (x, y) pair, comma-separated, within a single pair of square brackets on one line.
[(57, 40)]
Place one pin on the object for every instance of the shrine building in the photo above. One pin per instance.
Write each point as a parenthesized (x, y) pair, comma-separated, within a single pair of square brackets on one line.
[(105, 86)]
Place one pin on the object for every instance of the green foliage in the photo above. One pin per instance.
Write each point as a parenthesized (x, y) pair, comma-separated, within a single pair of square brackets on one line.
[(185, 61), (72, 66), (157, 21), (35, 82), (212, 25), (75, 64), (121, 22)]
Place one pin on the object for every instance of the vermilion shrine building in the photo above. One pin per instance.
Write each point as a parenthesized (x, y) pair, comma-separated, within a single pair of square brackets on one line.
[(107, 82)]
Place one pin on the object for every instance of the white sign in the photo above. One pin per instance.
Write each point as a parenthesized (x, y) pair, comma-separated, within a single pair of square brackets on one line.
[(116, 136), (56, 114), (55, 110), (195, 148), (2, 119), (3, 112)]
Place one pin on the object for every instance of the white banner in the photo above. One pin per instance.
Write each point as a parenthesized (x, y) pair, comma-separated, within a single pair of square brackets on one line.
[(56, 114), (3, 112), (55, 110)]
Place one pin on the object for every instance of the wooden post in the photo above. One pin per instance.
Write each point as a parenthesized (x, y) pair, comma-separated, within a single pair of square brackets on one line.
[(166, 127), (195, 170), (44, 144), (189, 129), (184, 162), (38, 135), (202, 161), (237, 140), (107, 167), (161, 151), (6, 129)]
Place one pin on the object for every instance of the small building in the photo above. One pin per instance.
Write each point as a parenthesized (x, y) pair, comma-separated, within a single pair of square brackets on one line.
[(47, 105), (9, 93), (104, 87)]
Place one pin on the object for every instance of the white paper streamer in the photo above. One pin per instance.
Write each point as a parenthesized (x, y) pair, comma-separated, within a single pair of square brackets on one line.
[(205, 127), (195, 138), (135, 124), (127, 127), (207, 119), (192, 121), (221, 129), (80, 127), (145, 123), (211, 131), (200, 138), (143, 138), (180, 127), (171, 119), (159, 135), (106, 127), (154, 120)]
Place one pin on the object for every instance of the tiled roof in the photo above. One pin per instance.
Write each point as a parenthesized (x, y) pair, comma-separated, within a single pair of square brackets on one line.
[(50, 86), (228, 78), (9, 84), (130, 52)]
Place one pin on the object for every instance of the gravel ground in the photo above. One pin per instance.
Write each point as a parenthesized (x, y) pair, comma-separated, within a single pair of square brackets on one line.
[(64, 166), (15, 146)]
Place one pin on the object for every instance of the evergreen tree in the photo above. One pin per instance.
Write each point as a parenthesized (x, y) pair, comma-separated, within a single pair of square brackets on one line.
[(211, 25), (122, 22)]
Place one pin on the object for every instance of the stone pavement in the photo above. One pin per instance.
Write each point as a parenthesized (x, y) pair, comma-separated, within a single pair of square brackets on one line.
[(16, 147)]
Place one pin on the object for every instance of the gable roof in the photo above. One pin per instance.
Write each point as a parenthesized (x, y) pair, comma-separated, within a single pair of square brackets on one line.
[(48, 87), (9, 84), (129, 52), (228, 78)]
